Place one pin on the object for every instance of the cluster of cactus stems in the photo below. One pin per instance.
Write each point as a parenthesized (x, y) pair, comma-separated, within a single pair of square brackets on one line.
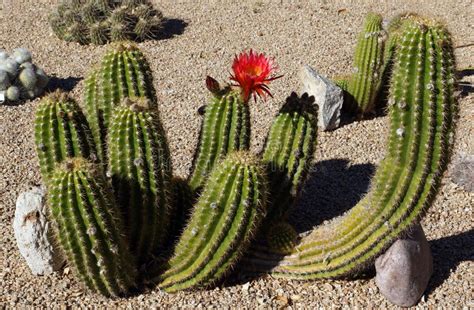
[(127, 212), (422, 109), (102, 21)]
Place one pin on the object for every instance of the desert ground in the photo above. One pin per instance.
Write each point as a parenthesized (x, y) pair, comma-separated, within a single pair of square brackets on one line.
[(201, 38)]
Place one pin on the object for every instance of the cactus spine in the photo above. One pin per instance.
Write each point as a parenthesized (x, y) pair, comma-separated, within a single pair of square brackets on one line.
[(364, 84), (89, 228), (61, 131), (225, 128), (124, 72), (140, 167), (222, 223), (422, 109), (289, 151)]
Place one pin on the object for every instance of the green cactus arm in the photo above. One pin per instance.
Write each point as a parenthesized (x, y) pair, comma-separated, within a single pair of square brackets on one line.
[(61, 131), (140, 167), (89, 229), (289, 151), (225, 128), (123, 73), (422, 109), (364, 84), (222, 223)]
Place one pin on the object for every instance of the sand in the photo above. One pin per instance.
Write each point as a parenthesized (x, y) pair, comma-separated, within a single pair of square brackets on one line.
[(202, 39)]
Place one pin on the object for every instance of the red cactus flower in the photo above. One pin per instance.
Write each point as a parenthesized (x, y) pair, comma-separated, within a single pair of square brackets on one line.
[(252, 73)]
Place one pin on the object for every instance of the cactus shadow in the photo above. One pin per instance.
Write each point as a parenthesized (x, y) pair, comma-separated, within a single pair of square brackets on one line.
[(465, 87), (332, 188), (66, 84), (171, 27), (448, 252)]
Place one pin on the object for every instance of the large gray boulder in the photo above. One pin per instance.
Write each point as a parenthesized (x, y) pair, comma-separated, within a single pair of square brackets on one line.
[(404, 270), (328, 96), (33, 233)]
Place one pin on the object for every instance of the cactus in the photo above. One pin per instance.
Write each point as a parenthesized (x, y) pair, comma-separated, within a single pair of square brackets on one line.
[(222, 224), (61, 131), (89, 229), (364, 84), (422, 110), (100, 22), (140, 167), (20, 79), (289, 151), (183, 201), (225, 128), (281, 237), (124, 72)]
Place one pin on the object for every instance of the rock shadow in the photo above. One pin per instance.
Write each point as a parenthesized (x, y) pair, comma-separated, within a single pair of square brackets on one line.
[(465, 87), (65, 84), (171, 27), (448, 253)]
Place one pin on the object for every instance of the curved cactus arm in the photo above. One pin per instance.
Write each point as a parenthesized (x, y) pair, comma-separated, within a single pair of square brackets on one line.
[(123, 73), (289, 151), (89, 229), (140, 167), (364, 84), (61, 131), (225, 128), (422, 111), (222, 223)]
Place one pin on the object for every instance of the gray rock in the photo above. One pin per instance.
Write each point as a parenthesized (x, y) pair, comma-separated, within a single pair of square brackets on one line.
[(463, 172), (328, 96), (404, 270), (33, 233)]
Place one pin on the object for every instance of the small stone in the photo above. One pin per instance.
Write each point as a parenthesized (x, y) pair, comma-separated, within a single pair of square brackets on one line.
[(328, 96), (404, 270), (463, 172), (33, 233)]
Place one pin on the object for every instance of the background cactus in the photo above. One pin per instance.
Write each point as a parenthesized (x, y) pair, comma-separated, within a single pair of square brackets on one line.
[(124, 72), (89, 228), (140, 167), (100, 22), (281, 237), (422, 110), (61, 131), (20, 79), (225, 128), (222, 224), (364, 84), (289, 151)]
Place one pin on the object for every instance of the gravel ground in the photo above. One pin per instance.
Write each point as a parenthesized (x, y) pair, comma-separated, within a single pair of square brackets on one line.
[(203, 37)]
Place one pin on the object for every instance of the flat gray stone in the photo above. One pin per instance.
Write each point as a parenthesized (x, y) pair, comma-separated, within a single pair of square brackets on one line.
[(328, 96), (463, 172), (404, 270), (33, 233)]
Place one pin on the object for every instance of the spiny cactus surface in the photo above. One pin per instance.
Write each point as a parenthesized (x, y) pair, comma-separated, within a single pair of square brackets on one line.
[(422, 112), (89, 229), (61, 131), (281, 237), (289, 151), (364, 84), (124, 73), (222, 224), (140, 167), (99, 21), (225, 128)]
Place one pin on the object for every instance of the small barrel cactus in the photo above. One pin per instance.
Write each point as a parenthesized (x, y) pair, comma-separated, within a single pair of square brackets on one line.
[(89, 228), (61, 131), (140, 167), (124, 72), (221, 226), (20, 79), (281, 237), (100, 22)]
